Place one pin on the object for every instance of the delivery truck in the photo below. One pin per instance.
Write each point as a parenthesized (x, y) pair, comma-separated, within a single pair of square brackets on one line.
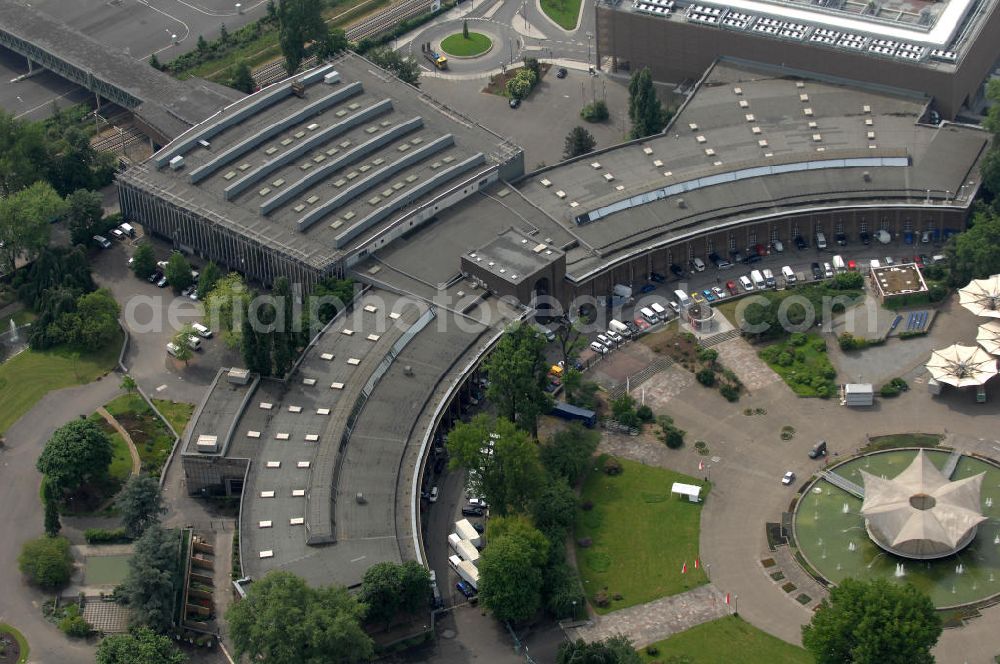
[(465, 530), (466, 570)]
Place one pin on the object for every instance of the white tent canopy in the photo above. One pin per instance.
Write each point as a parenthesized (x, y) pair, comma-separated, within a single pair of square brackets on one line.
[(982, 296), (989, 337), (921, 513), (962, 366), (692, 491)]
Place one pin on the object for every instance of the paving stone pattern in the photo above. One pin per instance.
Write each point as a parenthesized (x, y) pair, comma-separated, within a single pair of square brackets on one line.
[(107, 617), (656, 620)]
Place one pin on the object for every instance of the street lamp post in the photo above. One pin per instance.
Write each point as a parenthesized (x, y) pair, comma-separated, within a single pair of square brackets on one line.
[(736, 605), (590, 36)]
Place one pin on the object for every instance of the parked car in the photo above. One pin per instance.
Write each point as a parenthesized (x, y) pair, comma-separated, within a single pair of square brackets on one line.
[(657, 277), (193, 295), (515, 102), (709, 295), (888, 261), (918, 261), (698, 264), (647, 288), (632, 328), (433, 497), (788, 478), (818, 450), (697, 297), (817, 271), (719, 293), (676, 270), (117, 234), (561, 73), (598, 348), (715, 258), (641, 323), (777, 246), (466, 589), (102, 241), (800, 242), (162, 282), (472, 511), (865, 237), (478, 502), (187, 291), (925, 237), (737, 256), (827, 270), (155, 277), (841, 239), (731, 287)]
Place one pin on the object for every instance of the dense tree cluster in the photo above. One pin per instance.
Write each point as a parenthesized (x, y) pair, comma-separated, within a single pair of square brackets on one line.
[(518, 374), (140, 504), (407, 70), (644, 108), (78, 452), (389, 590), (46, 562), (154, 573), (140, 646)]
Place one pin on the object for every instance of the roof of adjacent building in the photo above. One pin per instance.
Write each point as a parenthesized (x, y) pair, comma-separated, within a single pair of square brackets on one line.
[(513, 256), (917, 31), (749, 144), (318, 175), (899, 279)]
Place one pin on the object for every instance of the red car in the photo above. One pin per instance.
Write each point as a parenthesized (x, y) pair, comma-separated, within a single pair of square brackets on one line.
[(919, 263), (731, 287), (852, 266), (642, 323)]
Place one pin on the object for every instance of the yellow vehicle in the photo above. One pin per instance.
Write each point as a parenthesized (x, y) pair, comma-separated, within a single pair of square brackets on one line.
[(438, 59)]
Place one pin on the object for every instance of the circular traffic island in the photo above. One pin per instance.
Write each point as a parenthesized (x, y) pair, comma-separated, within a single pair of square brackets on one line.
[(458, 46)]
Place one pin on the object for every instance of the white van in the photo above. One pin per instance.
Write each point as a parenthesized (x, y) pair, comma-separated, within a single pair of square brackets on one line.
[(620, 327), (820, 240), (769, 279), (193, 342), (789, 275), (598, 348), (758, 280), (172, 349), (682, 298), (839, 265), (604, 341), (202, 331), (648, 314), (615, 337), (658, 309), (875, 263), (745, 283), (128, 229), (699, 265)]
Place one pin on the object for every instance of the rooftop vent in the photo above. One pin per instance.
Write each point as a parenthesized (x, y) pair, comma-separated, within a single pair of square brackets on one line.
[(867, 176)]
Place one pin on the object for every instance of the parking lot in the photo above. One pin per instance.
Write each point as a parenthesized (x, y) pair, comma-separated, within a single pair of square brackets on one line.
[(719, 284), (153, 316)]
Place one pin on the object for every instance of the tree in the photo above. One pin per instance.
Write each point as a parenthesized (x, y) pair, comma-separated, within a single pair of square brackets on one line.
[(973, 254), (567, 453), (407, 71), (241, 77), (503, 460), (579, 141), (284, 621), (223, 34), (465, 29), (84, 215), (283, 339), (77, 452), (52, 523), (613, 650), (333, 43), (510, 576), (532, 65), (518, 373), (328, 297), (299, 21), (140, 504), (210, 275), (141, 646), (554, 509), (26, 222), (520, 86), (128, 384), (201, 44), (144, 261), (46, 561), (571, 339), (182, 344), (154, 62), (389, 589), (873, 622), (644, 108), (95, 323), (153, 572), (595, 112), (178, 272), (226, 308)]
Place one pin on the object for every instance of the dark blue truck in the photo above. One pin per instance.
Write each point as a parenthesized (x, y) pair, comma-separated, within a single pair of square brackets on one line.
[(574, 414)]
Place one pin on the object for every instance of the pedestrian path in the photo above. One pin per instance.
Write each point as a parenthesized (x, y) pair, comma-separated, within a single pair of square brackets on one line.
[(654, 621), (133, 452)]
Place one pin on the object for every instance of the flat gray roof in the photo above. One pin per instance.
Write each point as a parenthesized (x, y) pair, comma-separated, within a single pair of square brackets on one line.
[(748, 144), (514, 256), (319, 175), (307, 466)]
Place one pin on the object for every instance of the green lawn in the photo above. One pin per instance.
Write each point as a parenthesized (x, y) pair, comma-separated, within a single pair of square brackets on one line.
[(458, 45), (641, 535), (177, 413), (28, 377), (563, 12), (151, 436), (802, 361), (719, 641), (22, 642)]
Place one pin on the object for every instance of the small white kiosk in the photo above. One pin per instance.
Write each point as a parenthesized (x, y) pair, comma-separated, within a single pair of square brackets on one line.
[(692, 491)]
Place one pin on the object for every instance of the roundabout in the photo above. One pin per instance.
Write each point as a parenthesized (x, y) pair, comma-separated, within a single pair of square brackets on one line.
[(458, 46), (841, 536)]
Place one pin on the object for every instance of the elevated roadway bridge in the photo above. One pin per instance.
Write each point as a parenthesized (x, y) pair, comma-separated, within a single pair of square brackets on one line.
[(163, 107)]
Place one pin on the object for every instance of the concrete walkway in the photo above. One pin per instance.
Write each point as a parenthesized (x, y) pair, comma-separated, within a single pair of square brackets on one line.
[(133, 452), (654, 621), (21, 604)]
